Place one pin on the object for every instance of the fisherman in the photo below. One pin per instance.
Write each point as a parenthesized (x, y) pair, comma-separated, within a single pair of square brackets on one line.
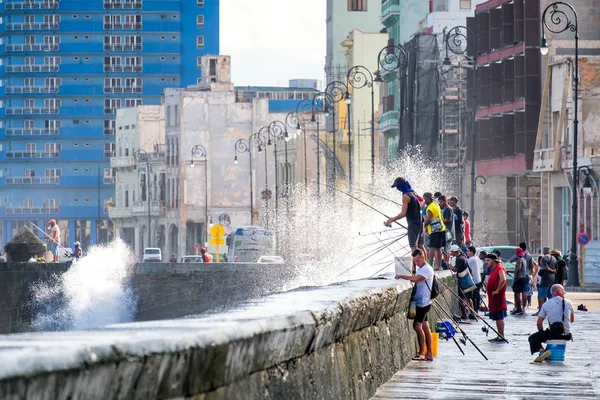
[(424, 281), (467, 224), (520, 279), (496, 290), (411, 210), (561, 266), (448, 217), (475, 267), (465, 282), (560, 314), (458, 221), (547, 273), (206, 257), (530, 267), (173, 258), (78, 252), (54, 239), (435, 228)]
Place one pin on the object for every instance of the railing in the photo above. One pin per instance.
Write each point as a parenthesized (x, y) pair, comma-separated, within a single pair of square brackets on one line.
[(132, 89), (141, 207), (129, 47), (31, 89), (28, 5), (31, 68), (20, 26), (113, 90), (132, 68), (543, 160), (32, 210), (110, 131), (119, 212), (132, 25), (23, 180), (122, 162), (31, 132), (31, 47), (113, 68), (389, 8), (109, 154), (32, 154), (21, 110), (109, 180), (388, 121), (110, 110), (118, 4)]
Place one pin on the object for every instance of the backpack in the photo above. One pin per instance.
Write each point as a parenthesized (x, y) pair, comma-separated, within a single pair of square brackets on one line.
[(434, 289)]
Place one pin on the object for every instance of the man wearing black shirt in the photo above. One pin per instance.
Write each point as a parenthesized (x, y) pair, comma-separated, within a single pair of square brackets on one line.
[(461, 267), (458, 221)]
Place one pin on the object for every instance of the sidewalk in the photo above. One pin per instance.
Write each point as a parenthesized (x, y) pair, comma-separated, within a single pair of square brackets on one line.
[(509, 373)]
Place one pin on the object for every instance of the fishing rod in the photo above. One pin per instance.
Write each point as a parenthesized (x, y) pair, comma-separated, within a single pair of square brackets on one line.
[(463, 301), (48, 236), (377, 251), (362, 202), (379, 232), (377, 195)]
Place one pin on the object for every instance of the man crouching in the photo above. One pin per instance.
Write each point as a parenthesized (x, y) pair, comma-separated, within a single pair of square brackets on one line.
[(560, 314)]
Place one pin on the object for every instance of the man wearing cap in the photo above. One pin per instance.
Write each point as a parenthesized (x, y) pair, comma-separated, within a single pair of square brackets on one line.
[(475, 267), (547, 273), (411, 210), (54, 239), (207, 258), (496, 291), (435, 228), (521, 276), (465, 284), (561, 266)]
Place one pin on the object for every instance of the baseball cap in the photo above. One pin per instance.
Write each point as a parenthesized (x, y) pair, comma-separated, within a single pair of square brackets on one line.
[(454, 248), (398, 181), (520, 252)]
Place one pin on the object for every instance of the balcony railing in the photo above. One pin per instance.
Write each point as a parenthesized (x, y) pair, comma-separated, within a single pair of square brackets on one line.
[(120, 25), (21, 110), (388, 121), (31, 47), (31, 68), (32, 210), (24, 180), (119, 212), (110, 131), (113, 89), (389, 9), (31, 89), (109, 180), (108, 154), (132, 89), (31, 132), (132, 68), (32, 154), (117, 4), (110, 110), (126, 47), (113, 68), (122, 162), (30, 5), (141, 207), (20, 26)]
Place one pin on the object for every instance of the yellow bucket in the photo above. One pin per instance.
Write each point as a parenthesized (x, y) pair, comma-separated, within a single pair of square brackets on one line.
[(434, 343)]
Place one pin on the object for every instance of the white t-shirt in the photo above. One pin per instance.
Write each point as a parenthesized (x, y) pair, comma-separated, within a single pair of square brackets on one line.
[(55, 233), (552, 309), (475, 267), (423, 294)]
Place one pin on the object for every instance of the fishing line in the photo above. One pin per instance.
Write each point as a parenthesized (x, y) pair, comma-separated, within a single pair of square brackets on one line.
[(48, 236), (377, 195), (398, 238)]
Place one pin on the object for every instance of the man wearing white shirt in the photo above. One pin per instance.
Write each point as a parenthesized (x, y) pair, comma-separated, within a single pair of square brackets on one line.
[(475, 266), (424, 281)]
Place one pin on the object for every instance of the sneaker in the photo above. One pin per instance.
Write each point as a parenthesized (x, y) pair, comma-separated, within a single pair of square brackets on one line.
[(543, 356), (519, 313), (513, 311)]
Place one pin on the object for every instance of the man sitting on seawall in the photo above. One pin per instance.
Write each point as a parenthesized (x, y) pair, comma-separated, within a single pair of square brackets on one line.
[(560, 314)]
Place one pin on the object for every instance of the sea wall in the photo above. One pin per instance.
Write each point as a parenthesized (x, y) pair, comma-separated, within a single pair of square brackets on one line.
[(336, 342)]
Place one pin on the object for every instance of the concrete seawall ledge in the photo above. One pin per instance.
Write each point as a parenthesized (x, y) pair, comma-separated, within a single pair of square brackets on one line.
[(338, 341)]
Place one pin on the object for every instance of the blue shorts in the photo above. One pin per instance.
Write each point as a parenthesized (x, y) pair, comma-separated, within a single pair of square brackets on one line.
[(498, 315), (544, 292), (527, 288), (53, 247)]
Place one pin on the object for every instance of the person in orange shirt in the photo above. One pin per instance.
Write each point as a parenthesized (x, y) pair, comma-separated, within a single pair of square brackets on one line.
[(206, 257), (467, 225)]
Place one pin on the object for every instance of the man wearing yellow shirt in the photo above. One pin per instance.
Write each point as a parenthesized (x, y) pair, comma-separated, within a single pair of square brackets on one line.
[(435, 228)]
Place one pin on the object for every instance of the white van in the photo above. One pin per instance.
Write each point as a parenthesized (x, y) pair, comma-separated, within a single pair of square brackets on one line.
[(152, 254)]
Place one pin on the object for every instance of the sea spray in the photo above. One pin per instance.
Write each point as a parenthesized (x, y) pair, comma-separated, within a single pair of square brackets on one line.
[(93, 293)]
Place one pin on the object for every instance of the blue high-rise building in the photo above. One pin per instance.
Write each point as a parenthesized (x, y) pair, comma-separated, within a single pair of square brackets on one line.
[(67, 65)]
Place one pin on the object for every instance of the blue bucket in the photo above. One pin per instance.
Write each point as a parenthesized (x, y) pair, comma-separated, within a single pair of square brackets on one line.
[(558, 348)]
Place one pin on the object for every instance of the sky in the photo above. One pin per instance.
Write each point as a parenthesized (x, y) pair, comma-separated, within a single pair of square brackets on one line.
[(273, 41)]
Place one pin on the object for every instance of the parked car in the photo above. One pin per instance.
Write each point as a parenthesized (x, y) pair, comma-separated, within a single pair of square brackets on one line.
[(270, 260), (192, 259), (152, 254), (507, 253)]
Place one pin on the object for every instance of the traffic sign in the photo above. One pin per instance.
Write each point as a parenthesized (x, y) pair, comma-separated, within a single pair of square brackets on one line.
[(196, 245), (217, 230), (583, 238), (217, 241)]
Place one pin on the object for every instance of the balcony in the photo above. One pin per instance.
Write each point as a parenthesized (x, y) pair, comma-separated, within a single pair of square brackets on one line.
[(30, 5), (390, 11), (545, 160), (114, 47), (34, 180), (23, 111), (388, 121), (31, 132), (114, 89), (31, 89), (32, 154), (31, 47), (20, 26), (122, 26), (32, 210), (109, 154), (119, 212), (122, 162), (113, 68), (110, 131), (117, 4), (31, 68), (132, 89), (132, 68), (140, 208)]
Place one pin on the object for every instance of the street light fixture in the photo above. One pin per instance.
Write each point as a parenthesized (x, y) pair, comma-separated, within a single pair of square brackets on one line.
[(559, 22), (199, 151), (587, 182), (142, 155), (359, 77), (320, 104), (457, 43), (336, 92), (244, 146)]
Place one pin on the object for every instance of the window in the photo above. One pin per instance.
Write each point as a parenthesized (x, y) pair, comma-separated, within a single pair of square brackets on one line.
[(28, 124), (29, 61), (200, 3), (133, 21), (51, 42), (112, 85), (29, 103), (133, 85), (109, 175), (133, 42), (52, 104), (51, 61), (200, 21), (132, 103), (50, 148), (29, 40), (111, 105), (30, 19), (28, 82), (357, 5), (27, 203), (109, 126), (52, 125), (465, 4), (30, 147), (29, 173), (51, 20), (52, 83), (200, 42), (133, 64), (109, 150)]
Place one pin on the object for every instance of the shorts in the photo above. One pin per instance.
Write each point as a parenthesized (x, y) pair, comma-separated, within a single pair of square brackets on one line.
[(544, 292), (53, 247), (422, 313), (527, 288), (414, 234), (464, 295), (519, 285), (498, 315), (436, 240)]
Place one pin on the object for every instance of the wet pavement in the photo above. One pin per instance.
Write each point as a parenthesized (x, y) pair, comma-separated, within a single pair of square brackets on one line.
[(509, 373)]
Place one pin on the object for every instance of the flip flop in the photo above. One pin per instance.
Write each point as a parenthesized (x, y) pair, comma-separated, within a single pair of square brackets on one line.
[(418, 358), (429, 359)]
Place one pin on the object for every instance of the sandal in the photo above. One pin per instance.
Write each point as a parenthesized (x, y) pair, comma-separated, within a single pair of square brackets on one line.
[(418, 357)]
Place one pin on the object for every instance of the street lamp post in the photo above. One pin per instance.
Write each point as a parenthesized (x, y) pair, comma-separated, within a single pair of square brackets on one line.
[(392, 58), (142, 155), (557, 22), (456, 42), (302, 108), (359, 77), (199, 152), (275, 130), (319, 105), (244, 146), (336, 92)]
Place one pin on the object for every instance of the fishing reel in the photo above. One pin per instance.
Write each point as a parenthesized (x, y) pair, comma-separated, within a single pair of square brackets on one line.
[(485, 330), (387, 225), (444, 336), (463, 340)]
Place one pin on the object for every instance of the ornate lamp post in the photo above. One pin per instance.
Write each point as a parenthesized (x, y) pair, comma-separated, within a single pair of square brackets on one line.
[(359, 77), (244, 146), (456, 42), (199, 152), (275, 130), (336, 92), (559, 21), (142, 155), (320, 104), (392, 58)]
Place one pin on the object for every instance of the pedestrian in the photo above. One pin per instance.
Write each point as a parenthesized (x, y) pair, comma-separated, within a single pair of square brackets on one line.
[(560, 314), (173, 258), (459, 235), (207, 258), (520, 278), (411, 210), (475, 266), (561, 267), (547, 272), (424, 281), (465, 281), (448, 218), (467, 228), (496, 290), (54, 239), (435, 229)]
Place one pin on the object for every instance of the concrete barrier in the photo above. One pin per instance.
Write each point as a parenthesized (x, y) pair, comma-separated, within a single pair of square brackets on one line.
[(336, 342)]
